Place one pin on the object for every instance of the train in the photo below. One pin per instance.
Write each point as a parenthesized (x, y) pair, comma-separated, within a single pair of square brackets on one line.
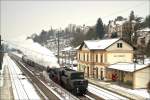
[(71, 80)]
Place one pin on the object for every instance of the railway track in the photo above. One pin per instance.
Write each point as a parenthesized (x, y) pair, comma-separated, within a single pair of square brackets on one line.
[(45, 82), (41, 85)]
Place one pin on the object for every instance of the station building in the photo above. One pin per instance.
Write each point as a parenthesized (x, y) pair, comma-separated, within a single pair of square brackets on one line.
[(94, 56)]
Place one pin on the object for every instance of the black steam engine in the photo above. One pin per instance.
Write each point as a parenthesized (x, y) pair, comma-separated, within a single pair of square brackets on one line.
[(70, 79)]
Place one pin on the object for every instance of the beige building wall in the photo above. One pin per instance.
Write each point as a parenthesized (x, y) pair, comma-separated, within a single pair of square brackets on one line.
[(125, 47), (115, 54), (141, 78), (128, 77), (119, 57), (100, 69)]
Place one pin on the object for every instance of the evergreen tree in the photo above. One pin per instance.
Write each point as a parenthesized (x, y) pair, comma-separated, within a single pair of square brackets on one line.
[(138, 19), (146, 22), (128, 29), (100, 28), (43, 36), (132, 17), (114, 35), (127, 32), (91, 34), (119, 18)]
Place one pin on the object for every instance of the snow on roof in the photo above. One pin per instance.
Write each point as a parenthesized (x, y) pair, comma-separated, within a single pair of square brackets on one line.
[(147, 61), (76, 48), (129, 67), (120, 22), (68, 49), (133, 21), (147, 29), (112, 24), (100, 44)]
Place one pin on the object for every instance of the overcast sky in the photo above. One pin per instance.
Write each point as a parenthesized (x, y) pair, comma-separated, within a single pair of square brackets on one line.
[(22, 18)]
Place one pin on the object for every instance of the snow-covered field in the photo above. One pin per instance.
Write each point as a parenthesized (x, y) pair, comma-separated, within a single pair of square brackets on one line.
[(22, 88)]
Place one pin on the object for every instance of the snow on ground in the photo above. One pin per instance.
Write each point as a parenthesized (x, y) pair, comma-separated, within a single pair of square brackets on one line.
[(104, 93), (2, 71), (140, 92), (17, 54), (22, 88)]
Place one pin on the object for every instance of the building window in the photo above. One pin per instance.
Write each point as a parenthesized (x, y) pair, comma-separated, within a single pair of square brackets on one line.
[(87, 57), (101, 58), (83, 57), (96, 58), (119, 45), (79, 56)]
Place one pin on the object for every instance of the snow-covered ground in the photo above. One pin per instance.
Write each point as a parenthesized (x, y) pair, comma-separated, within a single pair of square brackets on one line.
[(2, 72), (104, 93), (140, 92), (22, 88)]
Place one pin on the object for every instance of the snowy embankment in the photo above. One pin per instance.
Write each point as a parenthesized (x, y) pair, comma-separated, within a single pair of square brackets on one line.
[(22, 88), (104, 93)]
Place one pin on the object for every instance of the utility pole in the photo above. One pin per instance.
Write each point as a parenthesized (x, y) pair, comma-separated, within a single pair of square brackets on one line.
[(0, 42), (58, 48), (0, 54)]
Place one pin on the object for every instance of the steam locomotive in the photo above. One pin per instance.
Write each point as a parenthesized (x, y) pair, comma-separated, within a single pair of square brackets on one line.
[(70, 79)]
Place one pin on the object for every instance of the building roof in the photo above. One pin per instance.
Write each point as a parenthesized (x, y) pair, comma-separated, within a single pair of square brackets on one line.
[(128, 67), (76, 48), (100, 44), (69, 49)]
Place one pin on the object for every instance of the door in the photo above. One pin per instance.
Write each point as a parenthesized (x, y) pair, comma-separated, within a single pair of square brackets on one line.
[(97, 73), (87, 71), (101, 74)]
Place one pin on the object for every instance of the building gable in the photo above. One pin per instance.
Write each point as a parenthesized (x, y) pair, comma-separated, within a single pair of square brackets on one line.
[(120, 46), (84, 47)]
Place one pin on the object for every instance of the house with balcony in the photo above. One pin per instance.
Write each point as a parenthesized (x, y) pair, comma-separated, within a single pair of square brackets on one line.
[(143, 36), (94, 56)]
